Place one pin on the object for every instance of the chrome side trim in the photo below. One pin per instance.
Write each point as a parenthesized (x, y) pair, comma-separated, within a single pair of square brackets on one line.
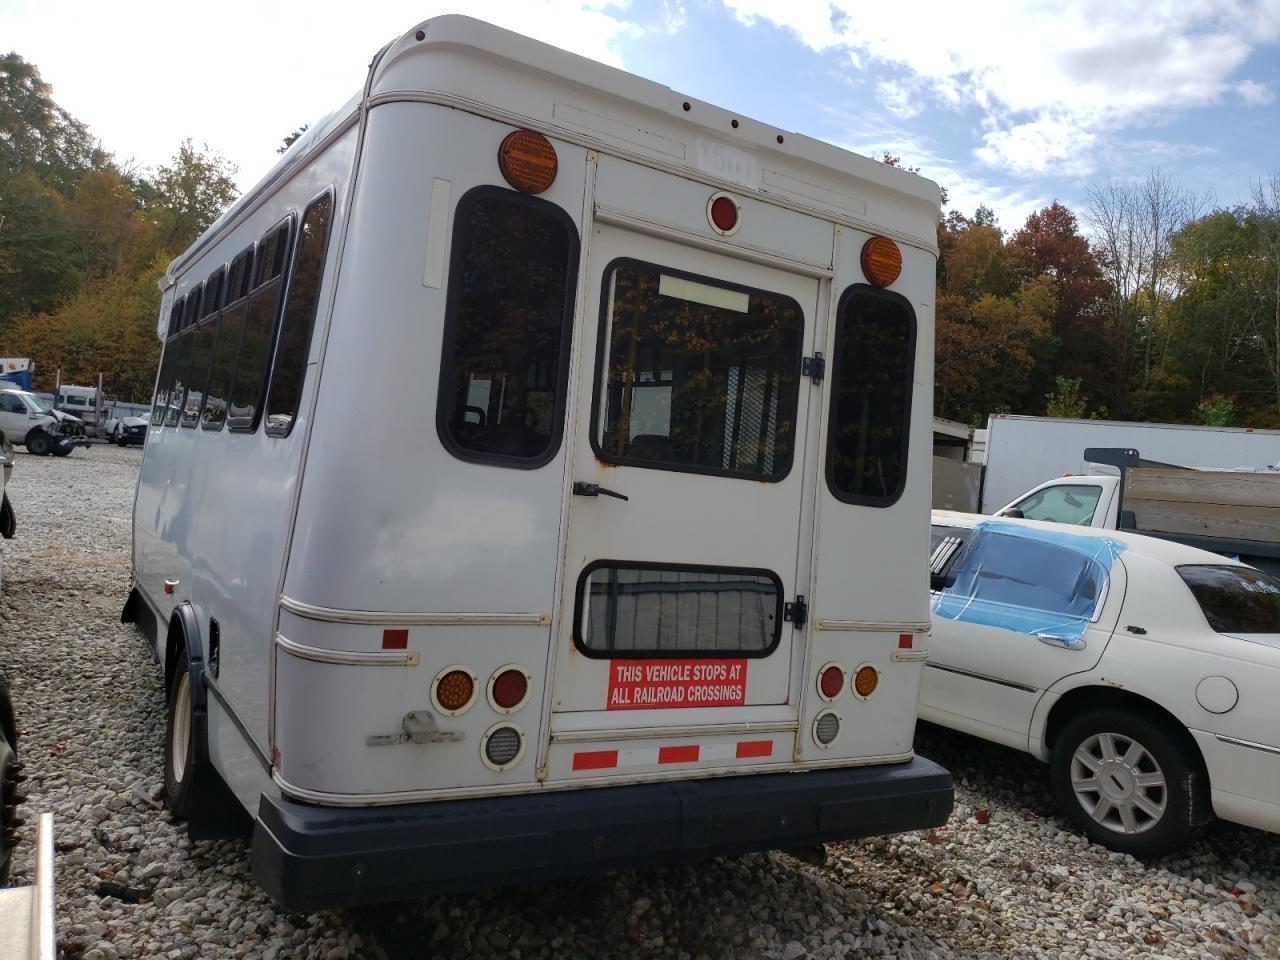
[(350, 658), (310, 611), (532, 789), (862, 626), (982, 676), (687, 730), (1237, 742)]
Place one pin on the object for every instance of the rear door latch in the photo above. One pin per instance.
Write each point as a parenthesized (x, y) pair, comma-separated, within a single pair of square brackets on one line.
[(815, 367), (797, 612)]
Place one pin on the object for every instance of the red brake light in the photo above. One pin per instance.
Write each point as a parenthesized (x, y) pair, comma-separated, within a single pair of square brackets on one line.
[(831, 682), (904, 641), (510, 687), (723, 212)]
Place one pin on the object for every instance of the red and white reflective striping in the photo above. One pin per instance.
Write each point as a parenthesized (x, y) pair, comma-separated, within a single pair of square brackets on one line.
[(685, 753)]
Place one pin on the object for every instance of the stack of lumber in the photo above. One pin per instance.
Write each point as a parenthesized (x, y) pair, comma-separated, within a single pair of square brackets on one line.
[(1210, 503)]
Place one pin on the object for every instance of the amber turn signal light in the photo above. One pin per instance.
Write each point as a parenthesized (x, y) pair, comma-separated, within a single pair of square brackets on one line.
[(881, 261), (528, 161), (454, 690), (866, 680)]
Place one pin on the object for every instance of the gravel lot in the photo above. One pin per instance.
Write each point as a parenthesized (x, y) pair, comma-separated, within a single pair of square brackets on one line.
[(1005, 878)]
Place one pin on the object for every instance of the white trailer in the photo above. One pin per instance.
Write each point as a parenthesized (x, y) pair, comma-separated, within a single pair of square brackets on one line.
[(613, 556), (1023, 452)]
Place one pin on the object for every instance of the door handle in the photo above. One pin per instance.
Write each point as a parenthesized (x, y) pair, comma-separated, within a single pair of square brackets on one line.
[(583, 489), (1049, 638)]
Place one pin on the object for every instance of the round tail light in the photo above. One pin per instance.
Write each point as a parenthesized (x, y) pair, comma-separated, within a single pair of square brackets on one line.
[(454, 690), (502, 746), (830, 681), (866, 680), (826, 726), (881, 261), (509, 688), (723, 212), (528, 161)]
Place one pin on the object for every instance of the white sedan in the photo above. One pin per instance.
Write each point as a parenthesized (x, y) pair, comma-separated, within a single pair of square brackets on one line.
[(1146, 673)]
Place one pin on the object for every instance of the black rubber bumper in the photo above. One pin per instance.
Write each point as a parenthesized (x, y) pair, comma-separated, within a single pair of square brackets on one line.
[(310, 857)]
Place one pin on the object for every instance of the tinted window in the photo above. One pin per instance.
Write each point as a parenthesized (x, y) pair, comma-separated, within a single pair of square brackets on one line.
[(258, 330), (649, 610), (1235, 599), (175, 317), (213, 293), (205, 335), (11, 404), (192, 313), (298, 317), (183, 348), (871, 380), (506, 339), (699, 375), (164, 382), (238, 275), (1063, 504)]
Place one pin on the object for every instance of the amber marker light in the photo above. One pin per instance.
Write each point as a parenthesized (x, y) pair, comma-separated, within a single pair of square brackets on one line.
[(454, 690), (528, 161), (865, 681), (881, 261)]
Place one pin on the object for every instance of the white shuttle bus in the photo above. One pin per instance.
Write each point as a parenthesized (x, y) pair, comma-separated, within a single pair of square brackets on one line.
[(538, 484)]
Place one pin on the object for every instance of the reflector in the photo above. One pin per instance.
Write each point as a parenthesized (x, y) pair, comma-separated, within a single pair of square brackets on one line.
[(454, 690), (865, 681), (723, 212), (528, 161), (881, 261)]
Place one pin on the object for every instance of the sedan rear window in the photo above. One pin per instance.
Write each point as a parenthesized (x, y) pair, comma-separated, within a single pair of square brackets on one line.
[(1235, 599)]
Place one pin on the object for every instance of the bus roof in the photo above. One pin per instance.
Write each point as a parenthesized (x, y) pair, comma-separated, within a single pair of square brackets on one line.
[(468, 64)]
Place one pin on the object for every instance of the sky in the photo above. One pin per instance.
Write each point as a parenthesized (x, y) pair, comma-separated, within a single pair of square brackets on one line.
[(1005, 104)]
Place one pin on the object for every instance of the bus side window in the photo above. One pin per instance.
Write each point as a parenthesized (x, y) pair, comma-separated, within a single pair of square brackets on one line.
[(871, 397), (164, 380), (224, 357), (504, 360), (299, 316), (259, 329)]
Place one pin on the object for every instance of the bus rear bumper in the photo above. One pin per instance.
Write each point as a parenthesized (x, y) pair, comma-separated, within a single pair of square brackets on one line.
[(310, 857)]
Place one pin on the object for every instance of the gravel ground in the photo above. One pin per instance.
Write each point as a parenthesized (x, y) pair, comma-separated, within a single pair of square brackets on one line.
[(1006, 877)]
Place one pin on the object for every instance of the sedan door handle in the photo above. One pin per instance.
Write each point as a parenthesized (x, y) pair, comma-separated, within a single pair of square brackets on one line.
[(583, 489), (1049, 638)]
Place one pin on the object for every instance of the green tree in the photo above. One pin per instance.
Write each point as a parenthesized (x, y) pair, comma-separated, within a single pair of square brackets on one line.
[(37, 135), (188, 194), (1065, 401)]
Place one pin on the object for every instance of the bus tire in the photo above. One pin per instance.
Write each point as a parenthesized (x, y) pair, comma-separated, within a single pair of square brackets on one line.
[(179, 741), (9, 777), (38, 443)]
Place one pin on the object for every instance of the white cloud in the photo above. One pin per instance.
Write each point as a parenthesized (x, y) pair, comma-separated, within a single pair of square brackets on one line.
[(1051, 79), (1254, 93), (244, 74)]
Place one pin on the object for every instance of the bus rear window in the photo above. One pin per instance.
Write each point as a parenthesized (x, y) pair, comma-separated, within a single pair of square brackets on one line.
[(700, 375), (871, 397), (504, 362), (648, 610), (1234, 599)]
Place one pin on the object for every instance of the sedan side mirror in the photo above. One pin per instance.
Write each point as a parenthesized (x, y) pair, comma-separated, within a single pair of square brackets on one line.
[(1013, 512), (940, 581)]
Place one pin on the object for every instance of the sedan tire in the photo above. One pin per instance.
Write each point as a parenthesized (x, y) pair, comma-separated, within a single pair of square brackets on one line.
[(1129, 782)]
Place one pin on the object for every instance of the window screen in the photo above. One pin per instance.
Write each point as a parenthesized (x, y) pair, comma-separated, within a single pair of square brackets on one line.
[(298, 317), (258, 330), (651, 610), (506, 340), (699, 375), (1235, 599), (871, 379), (1062, 504)]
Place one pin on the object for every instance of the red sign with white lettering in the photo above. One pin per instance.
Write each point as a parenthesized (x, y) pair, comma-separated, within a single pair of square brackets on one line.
[(666, 684)]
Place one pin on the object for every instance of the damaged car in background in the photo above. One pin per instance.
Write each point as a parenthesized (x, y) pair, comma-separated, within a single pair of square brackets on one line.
[(1143, 672), (29, 420)]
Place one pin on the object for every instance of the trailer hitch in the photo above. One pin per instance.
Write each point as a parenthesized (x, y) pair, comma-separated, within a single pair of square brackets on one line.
[(419, 726)]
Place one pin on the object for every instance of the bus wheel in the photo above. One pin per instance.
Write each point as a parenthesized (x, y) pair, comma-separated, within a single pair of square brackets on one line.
[(179, 758)]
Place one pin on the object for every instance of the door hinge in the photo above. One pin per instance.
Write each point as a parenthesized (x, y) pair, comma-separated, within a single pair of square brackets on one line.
[(814, 367), (796, 613)]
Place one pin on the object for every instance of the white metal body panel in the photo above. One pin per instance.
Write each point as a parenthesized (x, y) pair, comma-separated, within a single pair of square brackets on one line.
[(361, 521), (1022, 452)]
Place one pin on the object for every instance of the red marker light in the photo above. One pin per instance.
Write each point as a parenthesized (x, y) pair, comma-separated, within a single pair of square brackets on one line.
[(904, 641), (831, 682), (395, 639), (723, 212)]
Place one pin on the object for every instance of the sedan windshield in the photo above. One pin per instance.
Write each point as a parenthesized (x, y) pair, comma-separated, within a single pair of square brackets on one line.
[(1235, 599)]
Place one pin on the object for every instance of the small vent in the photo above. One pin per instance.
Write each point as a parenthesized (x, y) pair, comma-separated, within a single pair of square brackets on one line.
[(503, 746), (826, 728)]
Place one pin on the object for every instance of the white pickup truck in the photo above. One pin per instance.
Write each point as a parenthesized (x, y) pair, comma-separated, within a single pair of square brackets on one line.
[(1231, 512)]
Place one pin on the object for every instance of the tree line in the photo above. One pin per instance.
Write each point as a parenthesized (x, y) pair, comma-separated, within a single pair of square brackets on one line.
[(1150, 303), (84, 239)]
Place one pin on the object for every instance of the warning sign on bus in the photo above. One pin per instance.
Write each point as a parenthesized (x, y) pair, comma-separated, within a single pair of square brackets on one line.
[(658, 684)]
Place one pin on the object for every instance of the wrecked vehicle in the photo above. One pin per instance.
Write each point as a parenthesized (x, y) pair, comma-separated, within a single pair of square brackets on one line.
[(29, 420)]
